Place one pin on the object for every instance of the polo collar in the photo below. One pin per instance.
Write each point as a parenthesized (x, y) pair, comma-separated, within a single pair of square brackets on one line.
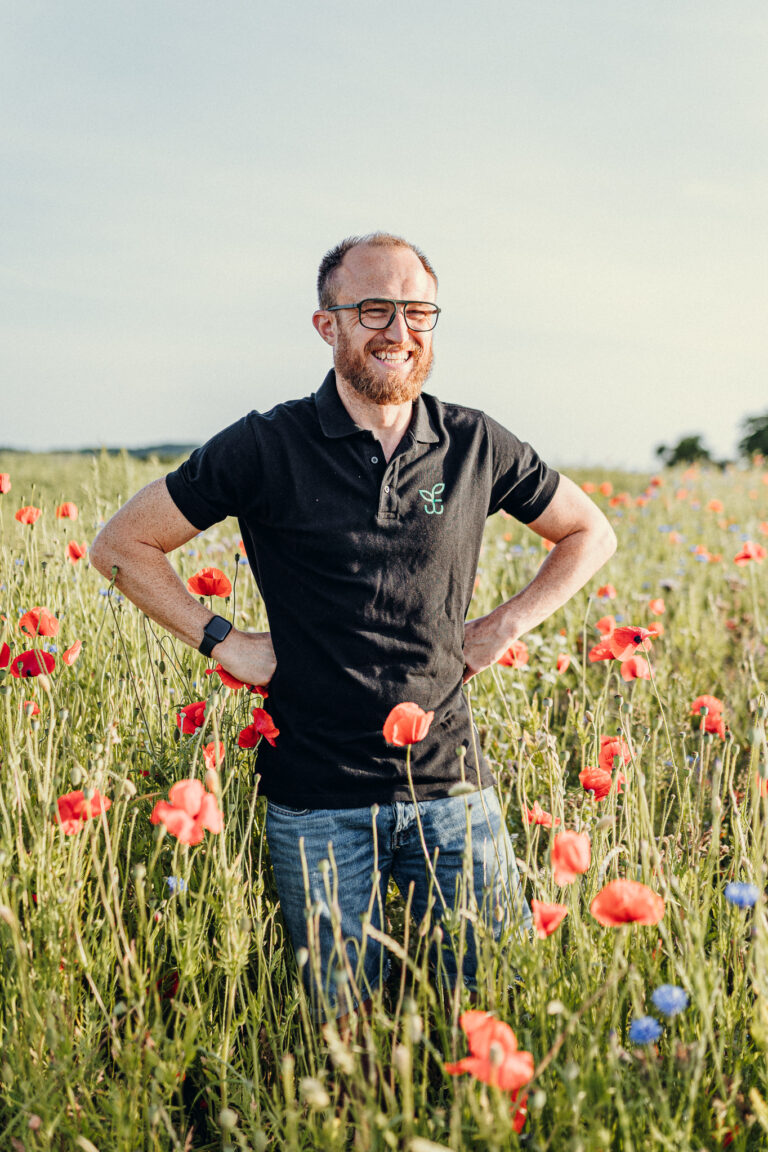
[(336, 422)]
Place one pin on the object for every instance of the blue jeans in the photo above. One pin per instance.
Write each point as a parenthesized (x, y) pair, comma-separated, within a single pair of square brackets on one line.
[(332, 868)]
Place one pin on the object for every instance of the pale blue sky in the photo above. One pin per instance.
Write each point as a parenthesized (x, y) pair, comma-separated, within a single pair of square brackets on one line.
[(590, 179)]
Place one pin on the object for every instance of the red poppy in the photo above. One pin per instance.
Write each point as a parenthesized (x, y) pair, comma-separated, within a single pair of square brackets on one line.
[(190, 811), (605, 625), (537, 815), (715, 506), (547, 917), (263, 725), (28, 514), (563, 662), (589, 487), (606, 488), (76, 551), (191, 717), (31, 707), (750, 551), (67, 511), (494, 1057), (610, 748), (624, 641), (213, 754), (407, 724), (657, 606), (656, 628), (226, 677), (520, 1102), (5, 655), (601, 651), (75, 809), (599, 782), (711, 703), (5, 483), (636, 668), (209, 582), (515, 656), (715, 724), (32, 663), (72, 653), (571, 854), (39, 622), (607, 592), (627, 902)]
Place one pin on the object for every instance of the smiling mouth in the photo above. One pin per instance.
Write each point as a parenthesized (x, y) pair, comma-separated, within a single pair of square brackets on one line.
[(385, 357)]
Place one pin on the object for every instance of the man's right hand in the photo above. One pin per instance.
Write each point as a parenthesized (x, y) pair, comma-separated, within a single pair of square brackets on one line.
[(249, 656)]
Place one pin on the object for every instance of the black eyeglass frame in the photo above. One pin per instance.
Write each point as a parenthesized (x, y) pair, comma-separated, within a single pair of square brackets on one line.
[(394, 303)]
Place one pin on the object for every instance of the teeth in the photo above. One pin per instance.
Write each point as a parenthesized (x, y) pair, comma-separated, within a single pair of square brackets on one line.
[(401, 356)]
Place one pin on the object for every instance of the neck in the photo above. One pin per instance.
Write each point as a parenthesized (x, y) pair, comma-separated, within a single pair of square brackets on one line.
[(387, 422)]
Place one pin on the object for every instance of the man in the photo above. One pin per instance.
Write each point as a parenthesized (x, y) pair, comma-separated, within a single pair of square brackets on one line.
[(362, 510)]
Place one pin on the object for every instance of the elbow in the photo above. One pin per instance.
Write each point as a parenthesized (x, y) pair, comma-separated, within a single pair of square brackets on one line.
[(101, 556)]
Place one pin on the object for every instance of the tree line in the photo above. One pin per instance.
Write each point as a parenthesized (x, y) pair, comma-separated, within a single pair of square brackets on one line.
[(689, 449)]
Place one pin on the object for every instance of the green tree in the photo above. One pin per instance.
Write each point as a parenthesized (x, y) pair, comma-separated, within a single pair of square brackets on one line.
[(755, 435), (688, 450)]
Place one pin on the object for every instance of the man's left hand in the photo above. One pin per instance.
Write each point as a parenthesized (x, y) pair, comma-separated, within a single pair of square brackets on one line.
[(485, 640)]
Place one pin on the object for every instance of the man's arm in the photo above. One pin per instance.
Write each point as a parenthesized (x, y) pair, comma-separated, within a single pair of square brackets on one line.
[(583, 541), (136, 541)]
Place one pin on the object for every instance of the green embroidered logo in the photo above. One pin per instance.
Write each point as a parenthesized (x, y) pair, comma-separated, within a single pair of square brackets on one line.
[(434, 505)]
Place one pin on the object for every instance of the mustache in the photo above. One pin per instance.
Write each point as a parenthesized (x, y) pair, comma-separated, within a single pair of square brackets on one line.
[(373, 347)]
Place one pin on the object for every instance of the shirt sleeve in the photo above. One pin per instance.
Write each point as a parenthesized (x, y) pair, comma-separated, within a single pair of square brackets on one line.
[(222, 478), (522, 484)]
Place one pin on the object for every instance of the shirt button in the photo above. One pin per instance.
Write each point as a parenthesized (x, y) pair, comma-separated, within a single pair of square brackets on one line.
[(374, 459)]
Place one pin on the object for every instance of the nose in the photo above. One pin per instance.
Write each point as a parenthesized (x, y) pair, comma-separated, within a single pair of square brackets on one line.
[(397, 328)]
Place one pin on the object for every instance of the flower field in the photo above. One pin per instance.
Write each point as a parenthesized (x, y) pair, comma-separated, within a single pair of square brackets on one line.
[(149, 998)]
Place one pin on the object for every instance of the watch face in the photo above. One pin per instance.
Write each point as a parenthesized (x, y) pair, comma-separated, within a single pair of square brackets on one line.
[(218, 628)]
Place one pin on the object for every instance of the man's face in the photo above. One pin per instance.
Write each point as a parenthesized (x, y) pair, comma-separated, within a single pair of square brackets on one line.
[(388, 366)]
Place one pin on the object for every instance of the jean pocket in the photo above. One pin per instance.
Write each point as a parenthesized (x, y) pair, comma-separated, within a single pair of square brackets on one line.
[(285, 810)]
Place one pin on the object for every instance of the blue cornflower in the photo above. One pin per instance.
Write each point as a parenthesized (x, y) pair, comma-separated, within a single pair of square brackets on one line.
[(175, 884), (742, 895), (644, 1030), (670, 999)]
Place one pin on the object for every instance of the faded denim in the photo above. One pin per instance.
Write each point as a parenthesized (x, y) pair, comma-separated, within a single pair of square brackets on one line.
[(332, 869)]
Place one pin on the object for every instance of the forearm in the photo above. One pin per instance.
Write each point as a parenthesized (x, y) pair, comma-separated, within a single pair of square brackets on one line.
[(574, 559), (144, 574), (566, 569)]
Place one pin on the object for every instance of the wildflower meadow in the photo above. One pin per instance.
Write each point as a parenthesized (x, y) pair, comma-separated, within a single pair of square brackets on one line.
[(150, 998)]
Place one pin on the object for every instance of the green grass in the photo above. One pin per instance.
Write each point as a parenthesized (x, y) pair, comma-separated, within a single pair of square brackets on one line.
[(132, 1019)]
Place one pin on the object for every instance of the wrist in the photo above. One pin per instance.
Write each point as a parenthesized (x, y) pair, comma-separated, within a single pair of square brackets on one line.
[(215, 633)]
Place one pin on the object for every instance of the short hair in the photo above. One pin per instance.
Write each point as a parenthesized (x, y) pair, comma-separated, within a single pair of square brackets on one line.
[(333, 259)]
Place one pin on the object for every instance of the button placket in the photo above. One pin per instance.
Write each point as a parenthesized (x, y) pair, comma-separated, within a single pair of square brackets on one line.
[(388, 492)]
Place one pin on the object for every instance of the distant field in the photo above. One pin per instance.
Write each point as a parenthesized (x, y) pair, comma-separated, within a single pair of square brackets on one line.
[(149, 999)]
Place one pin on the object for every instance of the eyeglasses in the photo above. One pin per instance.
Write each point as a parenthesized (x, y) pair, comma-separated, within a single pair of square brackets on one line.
[(419, 315)]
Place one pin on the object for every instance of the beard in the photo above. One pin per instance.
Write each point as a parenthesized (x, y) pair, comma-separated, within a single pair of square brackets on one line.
[(389, 388)]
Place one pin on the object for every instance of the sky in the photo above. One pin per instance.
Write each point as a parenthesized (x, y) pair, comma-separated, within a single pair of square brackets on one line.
[(589, 178)]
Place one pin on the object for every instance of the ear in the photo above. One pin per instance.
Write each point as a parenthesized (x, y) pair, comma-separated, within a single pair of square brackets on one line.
[(325, 325)]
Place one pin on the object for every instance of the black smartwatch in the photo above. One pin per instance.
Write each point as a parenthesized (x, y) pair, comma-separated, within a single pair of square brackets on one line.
[(216, 630)]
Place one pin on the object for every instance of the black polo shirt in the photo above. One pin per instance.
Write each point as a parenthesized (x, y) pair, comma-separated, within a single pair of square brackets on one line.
[(367, 570)]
